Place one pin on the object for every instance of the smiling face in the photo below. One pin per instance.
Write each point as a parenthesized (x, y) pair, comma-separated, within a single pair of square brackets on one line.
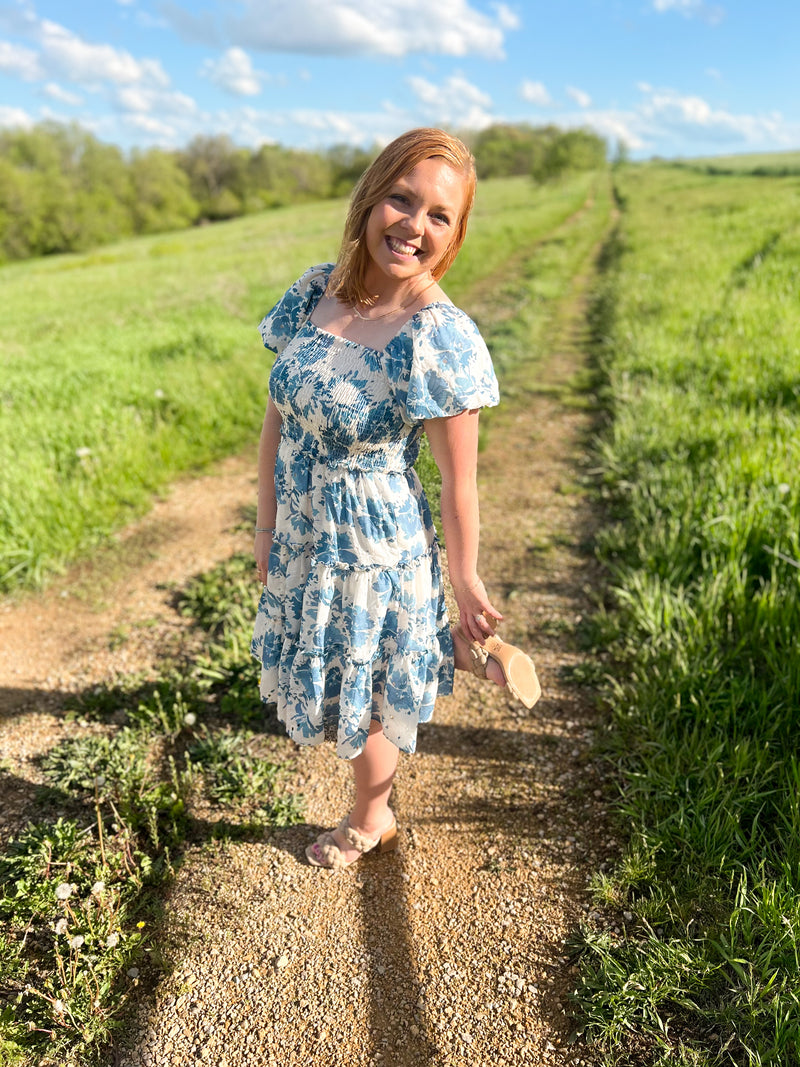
[(412, 227)]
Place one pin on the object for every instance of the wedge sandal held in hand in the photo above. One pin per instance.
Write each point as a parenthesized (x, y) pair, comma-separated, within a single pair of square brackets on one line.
[(517, 667)]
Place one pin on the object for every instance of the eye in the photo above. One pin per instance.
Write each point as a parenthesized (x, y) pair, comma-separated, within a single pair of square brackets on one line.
[(441, 217), (400, 197)]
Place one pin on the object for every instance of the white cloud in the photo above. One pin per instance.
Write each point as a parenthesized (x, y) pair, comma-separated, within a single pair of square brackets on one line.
[(145, 100), (456, 102), (153, 127), (670, 122), (14, 116), (507, 18), (19, 61), (352, 27), (76, 60), (233, 72), (616, 126), (712, 13), (695, 118), (535, 93), (581, 98), (56, 92)]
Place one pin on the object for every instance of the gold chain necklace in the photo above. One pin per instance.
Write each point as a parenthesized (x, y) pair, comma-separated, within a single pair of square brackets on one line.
[(392, 311)]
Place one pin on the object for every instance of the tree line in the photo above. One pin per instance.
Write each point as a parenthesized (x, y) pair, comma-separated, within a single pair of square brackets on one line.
[(62, 190)]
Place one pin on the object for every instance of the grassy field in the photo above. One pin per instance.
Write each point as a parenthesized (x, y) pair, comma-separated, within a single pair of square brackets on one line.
[(124, 367), (768, 164), (696, 324), (81, 889), (698, 337)]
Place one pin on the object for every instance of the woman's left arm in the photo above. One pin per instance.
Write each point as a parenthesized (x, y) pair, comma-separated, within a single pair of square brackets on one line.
[(454, 444)]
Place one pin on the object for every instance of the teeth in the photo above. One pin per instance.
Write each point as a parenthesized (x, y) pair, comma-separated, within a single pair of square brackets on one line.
[(402, 247)]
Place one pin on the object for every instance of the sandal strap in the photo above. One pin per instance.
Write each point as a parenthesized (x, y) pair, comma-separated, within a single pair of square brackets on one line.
[(329, 852), (355, 839), (479, 657)]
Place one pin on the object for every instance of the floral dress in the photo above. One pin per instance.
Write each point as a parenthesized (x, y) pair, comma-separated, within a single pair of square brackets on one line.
[(352, 624)]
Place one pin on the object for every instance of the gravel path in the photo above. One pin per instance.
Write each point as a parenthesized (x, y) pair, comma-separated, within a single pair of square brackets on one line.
[(448, 952)]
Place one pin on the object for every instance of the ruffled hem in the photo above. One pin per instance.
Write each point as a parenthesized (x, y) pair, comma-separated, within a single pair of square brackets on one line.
[(340, 646), (319, 697)]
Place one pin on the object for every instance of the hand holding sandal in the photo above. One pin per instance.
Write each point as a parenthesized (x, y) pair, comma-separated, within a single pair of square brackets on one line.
[(517, 667)]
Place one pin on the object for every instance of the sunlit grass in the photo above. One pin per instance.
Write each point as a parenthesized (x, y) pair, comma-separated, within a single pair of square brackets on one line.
[(123, 367), (700, 348)]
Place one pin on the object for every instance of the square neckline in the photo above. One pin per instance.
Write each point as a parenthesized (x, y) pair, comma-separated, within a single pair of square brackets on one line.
[(361, 344)]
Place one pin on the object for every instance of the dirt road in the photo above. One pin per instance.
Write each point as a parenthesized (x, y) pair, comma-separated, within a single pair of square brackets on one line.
[(449, 952)]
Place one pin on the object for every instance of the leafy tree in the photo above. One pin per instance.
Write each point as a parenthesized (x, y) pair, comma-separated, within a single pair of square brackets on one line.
[(347, 164), (570, 151), (214, 167), (160, 196), (503, 149)]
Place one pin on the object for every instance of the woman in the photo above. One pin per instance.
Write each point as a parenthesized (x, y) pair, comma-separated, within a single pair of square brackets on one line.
[(352, 630)]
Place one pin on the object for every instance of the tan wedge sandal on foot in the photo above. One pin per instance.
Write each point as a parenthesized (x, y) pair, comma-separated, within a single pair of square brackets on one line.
[(517, 667), (326, 852)]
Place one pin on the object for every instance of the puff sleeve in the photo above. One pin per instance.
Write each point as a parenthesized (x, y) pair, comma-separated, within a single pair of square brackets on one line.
[(440, 366), (280, 324)]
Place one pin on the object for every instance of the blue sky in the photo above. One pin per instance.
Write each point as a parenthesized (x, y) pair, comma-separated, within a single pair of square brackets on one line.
[(667, 77)]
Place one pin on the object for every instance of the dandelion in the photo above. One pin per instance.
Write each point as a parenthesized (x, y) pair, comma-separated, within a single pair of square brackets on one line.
[(133, 972), (63, 891), (59, 1006), (100, 781), (98, 888), (83, 452), (140, 925), (112, 940), (784, 488), (61, 926), (190, 718), (77, 941), (159, 394)]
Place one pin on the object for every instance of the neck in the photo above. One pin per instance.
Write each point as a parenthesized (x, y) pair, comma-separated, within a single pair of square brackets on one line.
[(402, 294)]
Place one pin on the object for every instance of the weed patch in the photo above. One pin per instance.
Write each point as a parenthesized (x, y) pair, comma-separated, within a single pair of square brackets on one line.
[(80, 895)]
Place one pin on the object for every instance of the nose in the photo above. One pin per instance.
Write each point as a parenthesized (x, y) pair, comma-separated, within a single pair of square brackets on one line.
[(415, 219)]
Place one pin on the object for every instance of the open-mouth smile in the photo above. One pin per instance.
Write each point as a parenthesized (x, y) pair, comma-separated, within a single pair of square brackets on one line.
[(401, 248)]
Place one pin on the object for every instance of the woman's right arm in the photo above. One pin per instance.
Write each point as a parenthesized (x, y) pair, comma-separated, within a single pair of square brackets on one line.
[(267, 506)]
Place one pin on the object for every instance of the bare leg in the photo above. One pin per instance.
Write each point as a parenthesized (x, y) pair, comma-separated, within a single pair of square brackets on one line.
[(373, 775)]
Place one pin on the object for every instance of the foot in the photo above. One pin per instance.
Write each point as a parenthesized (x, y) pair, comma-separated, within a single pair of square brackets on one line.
[(344, 845)]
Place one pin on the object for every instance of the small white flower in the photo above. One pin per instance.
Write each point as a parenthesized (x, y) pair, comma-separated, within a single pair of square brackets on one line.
[(59, 1006), (784, 488), (112, 940), (83, 452), (133, 972), (100, 781), (77, 941), (190, 718), (63, 891), (61, 926), (98, 888)]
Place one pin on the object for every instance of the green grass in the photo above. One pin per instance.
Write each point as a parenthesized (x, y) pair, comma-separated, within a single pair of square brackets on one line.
[(698, 336), (191, 758), (154, 767), (124, 367), (769, 164)]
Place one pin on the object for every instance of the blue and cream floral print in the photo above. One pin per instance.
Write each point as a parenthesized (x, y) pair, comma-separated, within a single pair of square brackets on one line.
[(352, 624)]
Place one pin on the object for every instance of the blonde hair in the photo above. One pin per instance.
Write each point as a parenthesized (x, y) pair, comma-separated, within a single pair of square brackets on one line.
[(347, 282)]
